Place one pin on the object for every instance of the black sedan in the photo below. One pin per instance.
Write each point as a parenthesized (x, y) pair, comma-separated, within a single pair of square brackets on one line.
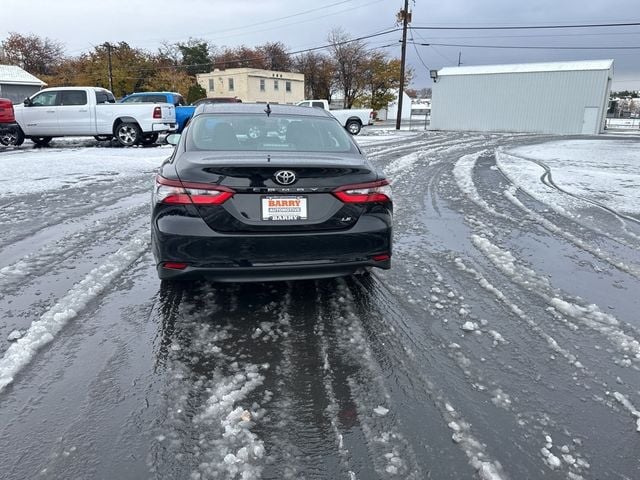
[(297, 201)]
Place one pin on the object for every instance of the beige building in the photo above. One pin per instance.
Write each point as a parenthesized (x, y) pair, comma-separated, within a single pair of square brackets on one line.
[(254, 85)]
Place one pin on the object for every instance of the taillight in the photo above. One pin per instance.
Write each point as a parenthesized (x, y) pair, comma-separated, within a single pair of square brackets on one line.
[(157, 112), (174, 265), (374, 192), (175, 192)]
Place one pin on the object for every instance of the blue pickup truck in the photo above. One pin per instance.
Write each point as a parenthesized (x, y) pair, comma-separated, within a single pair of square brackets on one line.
[(183, 111)]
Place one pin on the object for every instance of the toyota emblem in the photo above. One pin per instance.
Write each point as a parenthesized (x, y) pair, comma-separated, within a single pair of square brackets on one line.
[(285, 177)]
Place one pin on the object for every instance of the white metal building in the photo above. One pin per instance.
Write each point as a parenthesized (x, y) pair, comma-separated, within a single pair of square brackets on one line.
[(16, 84), (558, 98)]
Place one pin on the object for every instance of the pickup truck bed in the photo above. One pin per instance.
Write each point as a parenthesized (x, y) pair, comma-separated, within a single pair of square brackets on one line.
[(350, 118), (184, 112)]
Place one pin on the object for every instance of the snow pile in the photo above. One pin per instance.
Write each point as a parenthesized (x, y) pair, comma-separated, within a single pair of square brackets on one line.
[(380, 410), (401, 164), (44, 330), (486, 468), (229, 447), (624, 401), (469, 326)]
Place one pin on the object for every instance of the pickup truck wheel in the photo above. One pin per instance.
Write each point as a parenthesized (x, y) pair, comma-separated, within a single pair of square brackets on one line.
[(41, 141), (149, 138), (12, 138), (128, 134), (353, 127), (103, 138)]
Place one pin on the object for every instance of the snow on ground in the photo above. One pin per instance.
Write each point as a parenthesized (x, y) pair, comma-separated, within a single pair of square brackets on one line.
[(602, 171), (32, 170), (44, 330)]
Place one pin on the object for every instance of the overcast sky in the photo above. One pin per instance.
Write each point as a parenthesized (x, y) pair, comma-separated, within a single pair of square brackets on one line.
[(81, 24)]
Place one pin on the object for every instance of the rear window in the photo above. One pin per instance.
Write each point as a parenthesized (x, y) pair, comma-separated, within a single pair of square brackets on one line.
[(259, 132), (146, 99)]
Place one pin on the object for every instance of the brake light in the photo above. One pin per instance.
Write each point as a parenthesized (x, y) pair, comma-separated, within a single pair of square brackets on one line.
[(374, 192), (175, 192), (174, 265), (157, 112)]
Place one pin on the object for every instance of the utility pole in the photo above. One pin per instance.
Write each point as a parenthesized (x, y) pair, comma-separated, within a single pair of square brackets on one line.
[(459, 58), (108, 45), (406, 18)]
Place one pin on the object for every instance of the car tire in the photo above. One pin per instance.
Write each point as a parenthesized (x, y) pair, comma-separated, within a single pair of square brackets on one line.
[(41, 141), (149, 138), (128, 134), (353, 127), (103, 138), (12, 138)]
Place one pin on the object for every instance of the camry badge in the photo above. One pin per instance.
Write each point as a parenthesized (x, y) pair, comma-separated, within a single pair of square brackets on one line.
[(284, 177)]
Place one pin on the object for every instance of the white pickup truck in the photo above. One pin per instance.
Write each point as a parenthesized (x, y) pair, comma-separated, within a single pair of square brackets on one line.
[(351, 119), (90, 111)]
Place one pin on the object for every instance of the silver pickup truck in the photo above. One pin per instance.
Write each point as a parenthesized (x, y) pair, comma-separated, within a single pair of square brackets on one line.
[(90, 111)]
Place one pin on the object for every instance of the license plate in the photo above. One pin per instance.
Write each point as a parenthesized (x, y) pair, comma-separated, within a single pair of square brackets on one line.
[(284, 208)]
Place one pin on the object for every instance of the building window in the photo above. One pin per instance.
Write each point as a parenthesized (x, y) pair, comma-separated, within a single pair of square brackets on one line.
[(211, 87), (262, 88), (287, 86), (275, 85), (231, 84)]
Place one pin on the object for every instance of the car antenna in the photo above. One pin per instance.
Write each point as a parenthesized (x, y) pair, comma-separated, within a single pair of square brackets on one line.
[(268, 110)]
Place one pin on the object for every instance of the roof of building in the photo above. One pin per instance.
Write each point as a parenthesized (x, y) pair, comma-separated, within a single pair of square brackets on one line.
[(527, 68), (11, 74)]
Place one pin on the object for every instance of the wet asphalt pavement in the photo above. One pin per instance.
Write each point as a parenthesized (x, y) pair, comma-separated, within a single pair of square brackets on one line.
[(503, 344)]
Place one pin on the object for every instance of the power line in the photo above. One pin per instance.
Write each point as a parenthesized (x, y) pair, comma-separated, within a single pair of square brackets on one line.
[(530, 27), (417, 52), (243, 30), (526, 47)]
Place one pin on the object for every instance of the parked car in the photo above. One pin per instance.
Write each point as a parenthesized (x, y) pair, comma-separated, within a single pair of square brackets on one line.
[(183, 111), (303, 203), (91, 111), (207, 100), (9, 131), (352, 119)]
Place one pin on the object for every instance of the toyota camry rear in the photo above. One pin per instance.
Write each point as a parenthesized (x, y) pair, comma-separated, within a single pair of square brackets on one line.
[(277, 193)]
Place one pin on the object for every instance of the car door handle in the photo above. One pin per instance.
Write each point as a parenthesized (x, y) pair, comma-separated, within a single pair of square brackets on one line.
[(83, 110), (51, 111)]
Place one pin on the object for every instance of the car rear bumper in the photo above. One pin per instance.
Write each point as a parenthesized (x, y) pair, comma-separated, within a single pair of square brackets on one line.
[(8, 127), (265, 257), (164, 127)]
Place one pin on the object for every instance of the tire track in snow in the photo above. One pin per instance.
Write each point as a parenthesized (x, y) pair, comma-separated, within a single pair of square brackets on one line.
[(589, 315), (392, 455), (501, 157), (462, 434), (463, 172), (43, 331), (50, 256)]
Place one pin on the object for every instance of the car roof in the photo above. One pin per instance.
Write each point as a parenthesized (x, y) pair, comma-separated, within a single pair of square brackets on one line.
[(259, 108), (152, 93)]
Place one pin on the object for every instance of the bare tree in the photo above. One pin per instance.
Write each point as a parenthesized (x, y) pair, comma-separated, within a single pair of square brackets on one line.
[(275, 56), (319, 73), (350, 57), (39, 56)]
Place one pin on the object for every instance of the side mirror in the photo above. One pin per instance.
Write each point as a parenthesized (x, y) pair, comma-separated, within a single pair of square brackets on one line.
[(173, 138), (27, 102)]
